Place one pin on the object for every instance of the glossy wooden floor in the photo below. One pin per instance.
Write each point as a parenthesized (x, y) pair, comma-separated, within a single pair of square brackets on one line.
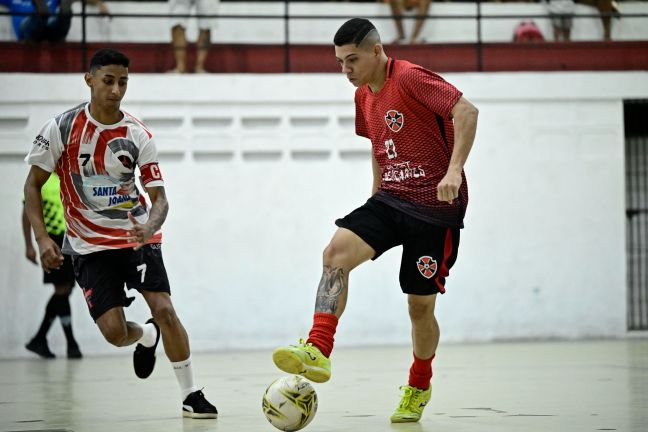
[(557, 386)]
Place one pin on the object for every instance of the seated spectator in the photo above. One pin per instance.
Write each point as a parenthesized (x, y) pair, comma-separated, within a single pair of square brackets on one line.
[(398, 6), (44, 19), (561, 13)]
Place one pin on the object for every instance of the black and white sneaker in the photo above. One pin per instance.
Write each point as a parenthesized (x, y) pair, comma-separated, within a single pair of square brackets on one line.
[(144, 358), (196, 406)]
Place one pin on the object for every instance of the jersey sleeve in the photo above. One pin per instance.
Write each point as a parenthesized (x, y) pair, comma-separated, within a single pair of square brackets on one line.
[(46, 148), (360, 123), (431, 90), (148, 164)]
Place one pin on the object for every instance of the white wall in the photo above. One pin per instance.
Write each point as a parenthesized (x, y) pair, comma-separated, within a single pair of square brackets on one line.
[(259, 166), (271, 30)]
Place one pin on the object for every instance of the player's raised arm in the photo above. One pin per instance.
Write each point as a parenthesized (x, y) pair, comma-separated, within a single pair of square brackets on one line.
[(464, 115), (50, 254)]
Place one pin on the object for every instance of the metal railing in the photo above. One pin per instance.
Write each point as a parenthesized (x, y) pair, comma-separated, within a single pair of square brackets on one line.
[(286, 16), (636, 156)]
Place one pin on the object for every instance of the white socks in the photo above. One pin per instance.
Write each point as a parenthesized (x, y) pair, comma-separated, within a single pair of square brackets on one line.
[(184, 375), (149, 335), (183, 370)]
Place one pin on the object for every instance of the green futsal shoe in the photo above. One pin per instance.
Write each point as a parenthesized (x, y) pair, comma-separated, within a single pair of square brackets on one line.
[(303, 359), (413, 401)]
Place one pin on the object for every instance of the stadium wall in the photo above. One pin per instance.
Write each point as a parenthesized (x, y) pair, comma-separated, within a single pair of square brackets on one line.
[(259, 166)]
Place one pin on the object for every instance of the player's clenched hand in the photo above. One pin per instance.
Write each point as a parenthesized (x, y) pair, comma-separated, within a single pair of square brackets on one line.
[(448, 187), (50, 254), (30, 253), (140, 232)]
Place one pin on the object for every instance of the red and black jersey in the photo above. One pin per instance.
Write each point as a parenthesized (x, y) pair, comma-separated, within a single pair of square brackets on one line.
[(410, 126)]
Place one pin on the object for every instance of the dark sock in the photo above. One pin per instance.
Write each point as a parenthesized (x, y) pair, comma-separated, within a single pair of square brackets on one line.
[(65, 315), (50, 315)]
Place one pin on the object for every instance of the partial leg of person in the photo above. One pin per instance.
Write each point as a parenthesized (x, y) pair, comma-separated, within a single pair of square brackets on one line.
[(345, 252), (64, 312), (63, 280), (148, 275), (33, 28), (176, 347), (566, 29), (38, 344), (422, 9), (120, 333), (101, 276), (58, 26), (428, 255), (179, 44), (607, 7), (556, 25), (204, 8), (202, 49), (58, 305), (397, 7), (425, 339)]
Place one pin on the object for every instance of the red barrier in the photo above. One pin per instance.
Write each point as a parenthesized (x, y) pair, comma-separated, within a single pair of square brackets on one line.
[(234, 58)]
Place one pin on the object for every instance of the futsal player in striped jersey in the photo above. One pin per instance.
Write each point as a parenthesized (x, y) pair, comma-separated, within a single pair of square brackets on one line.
[(114, 239), (421, 130)]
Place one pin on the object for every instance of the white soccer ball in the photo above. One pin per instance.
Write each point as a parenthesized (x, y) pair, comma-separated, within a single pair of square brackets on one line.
[(290, 403)]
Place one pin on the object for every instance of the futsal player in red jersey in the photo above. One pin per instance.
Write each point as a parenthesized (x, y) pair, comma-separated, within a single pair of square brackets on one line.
[(421, 130), (114, 239)]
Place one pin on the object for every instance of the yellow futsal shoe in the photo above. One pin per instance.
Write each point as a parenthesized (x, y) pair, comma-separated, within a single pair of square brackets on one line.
[(303, 359), (412, 403)]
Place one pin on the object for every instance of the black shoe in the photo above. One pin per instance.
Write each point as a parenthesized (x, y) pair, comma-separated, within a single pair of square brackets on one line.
[(144, 358), (196, 406), (73, 352), (39, 346)]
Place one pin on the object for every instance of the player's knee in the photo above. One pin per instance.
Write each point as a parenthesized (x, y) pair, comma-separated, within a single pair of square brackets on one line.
[(115, 335), (165, 315), (335, 253), (421, 311)]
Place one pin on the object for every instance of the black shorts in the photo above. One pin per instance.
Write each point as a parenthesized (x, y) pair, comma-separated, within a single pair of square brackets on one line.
[(429, 251), (103, 275), (65, 273)]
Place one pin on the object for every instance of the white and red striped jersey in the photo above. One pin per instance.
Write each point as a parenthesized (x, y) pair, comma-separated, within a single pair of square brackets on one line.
[(96, 164)]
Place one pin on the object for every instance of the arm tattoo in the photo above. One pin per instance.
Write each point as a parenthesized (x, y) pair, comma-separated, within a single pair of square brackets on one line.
[(158, 213), (331, 287)]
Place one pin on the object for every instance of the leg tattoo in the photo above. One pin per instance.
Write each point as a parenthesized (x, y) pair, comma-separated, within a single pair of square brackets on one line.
[(331, 287)]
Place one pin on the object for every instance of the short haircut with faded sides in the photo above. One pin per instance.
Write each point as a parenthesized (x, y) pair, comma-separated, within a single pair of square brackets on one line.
[(107, 56), (355, 31)]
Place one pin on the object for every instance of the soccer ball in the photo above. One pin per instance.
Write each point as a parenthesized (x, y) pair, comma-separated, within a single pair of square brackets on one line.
[(290, 403)]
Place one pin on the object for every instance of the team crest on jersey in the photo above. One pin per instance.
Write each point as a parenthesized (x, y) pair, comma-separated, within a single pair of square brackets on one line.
[(394, 120), (427, 266)]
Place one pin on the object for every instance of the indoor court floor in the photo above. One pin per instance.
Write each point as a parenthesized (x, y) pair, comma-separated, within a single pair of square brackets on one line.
[(522, 387)]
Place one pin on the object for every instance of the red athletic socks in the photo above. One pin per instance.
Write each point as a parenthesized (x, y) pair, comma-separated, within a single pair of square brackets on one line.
[(321, 335), (421, 373)]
